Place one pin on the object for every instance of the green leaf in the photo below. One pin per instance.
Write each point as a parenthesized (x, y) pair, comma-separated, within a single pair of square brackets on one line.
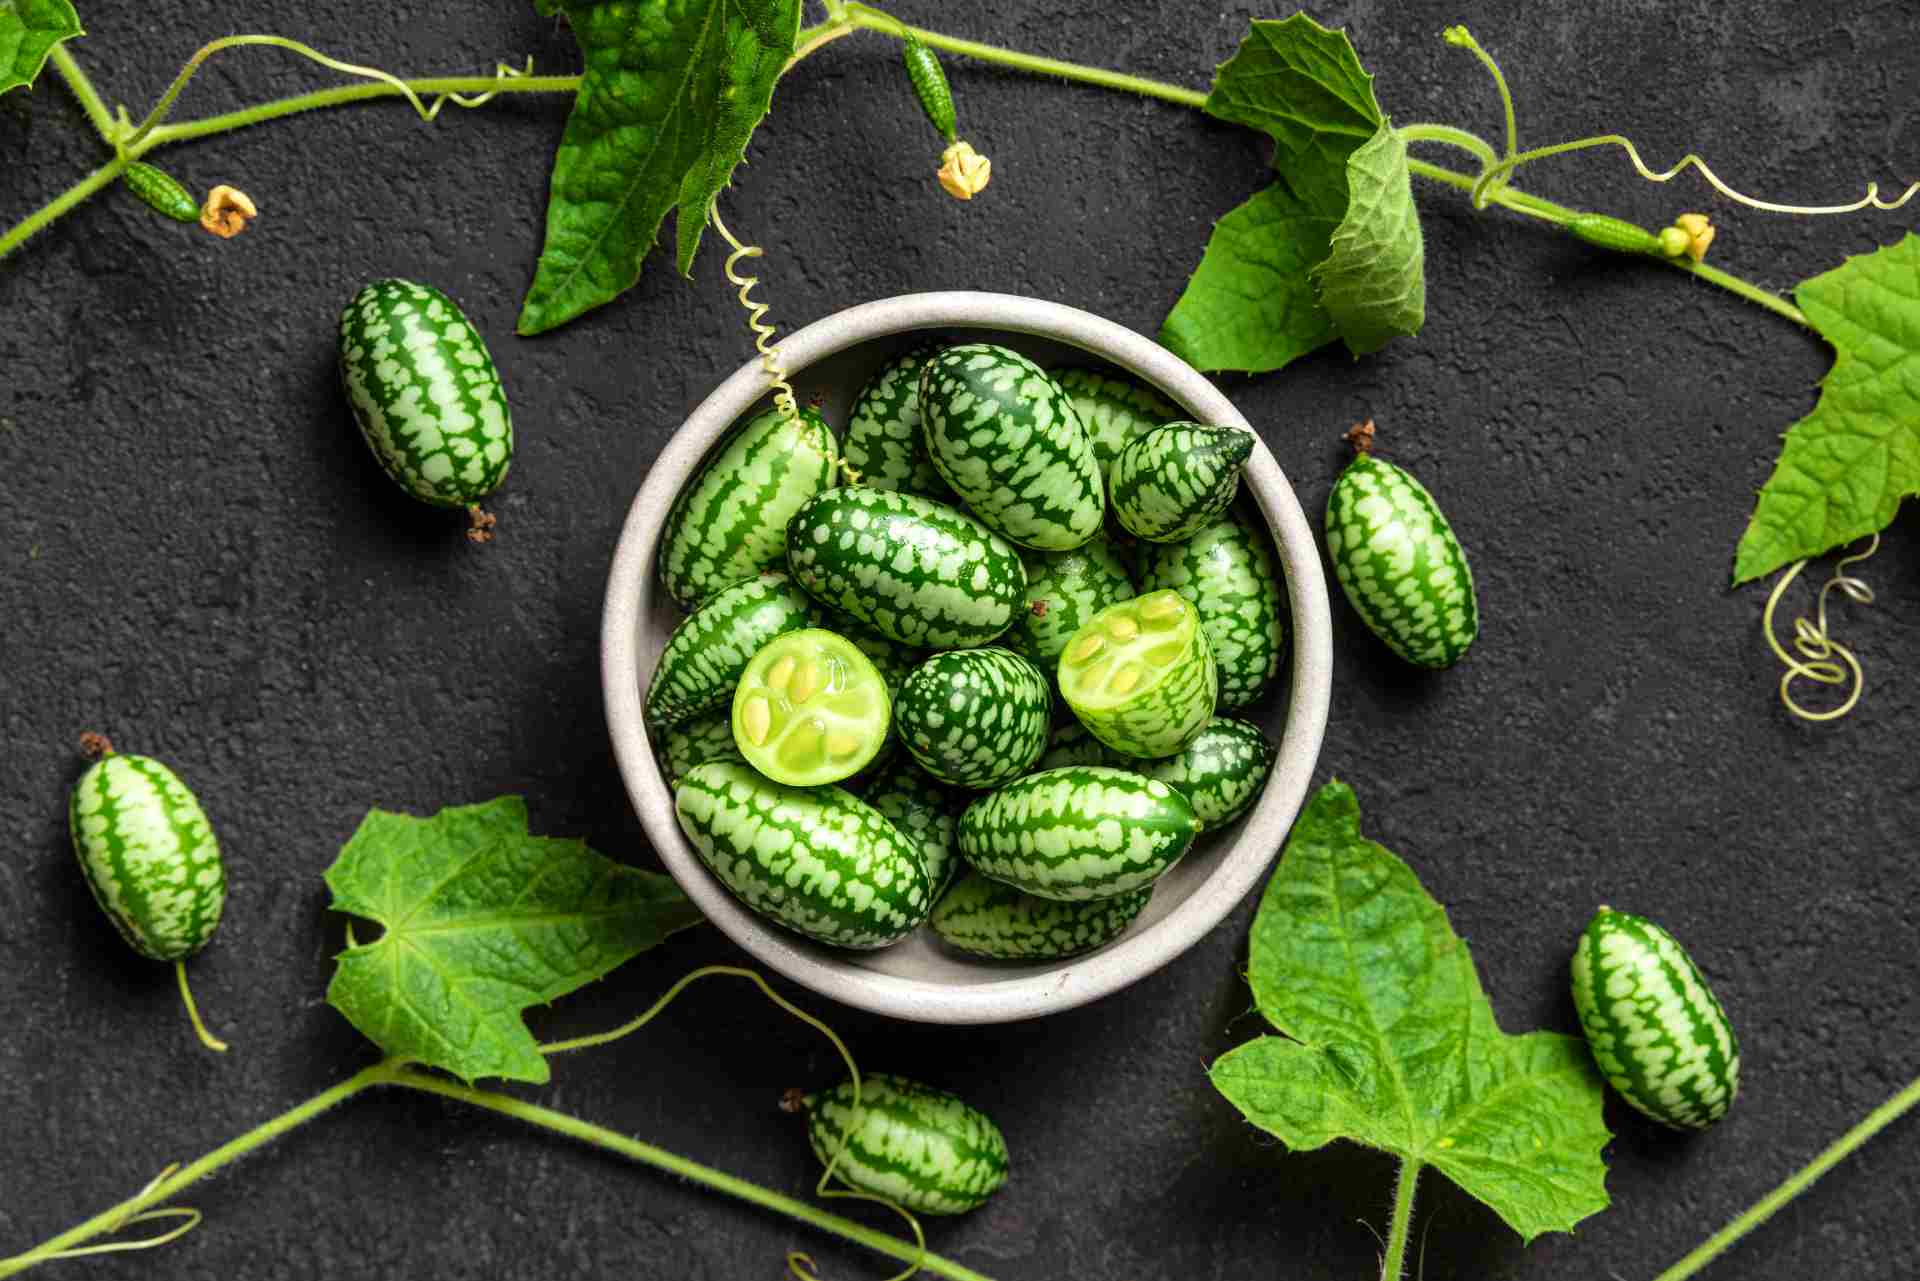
[(482, 921), (668, 98), (28, 31), (1389, 1041), (1250, 304), (1846, 466), (1302, 85), (1374, 282)]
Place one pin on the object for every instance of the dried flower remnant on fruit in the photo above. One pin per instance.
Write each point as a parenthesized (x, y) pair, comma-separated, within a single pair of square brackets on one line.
[(964, 172), (227, 212), (1699, 232), (93, 746), (480, 524)]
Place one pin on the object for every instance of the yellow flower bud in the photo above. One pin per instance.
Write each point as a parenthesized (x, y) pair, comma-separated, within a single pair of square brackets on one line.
[(227, 212), (1674, 242), (964, 172), (1699, 232)]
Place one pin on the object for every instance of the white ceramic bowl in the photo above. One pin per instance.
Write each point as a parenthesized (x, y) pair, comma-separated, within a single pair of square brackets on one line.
[(918, 978)]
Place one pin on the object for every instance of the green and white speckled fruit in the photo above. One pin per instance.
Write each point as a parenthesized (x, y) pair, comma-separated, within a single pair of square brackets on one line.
[(1176, 480), (149, 855), (1221, 772), (915, 570), (810, 709), (924, 809), (704, 657), (1228, 572), (730, 522), (1005, 437), (975, 717), (1064, 590), (984, 917), (910, 1143), (818, 860), (1656, 1029), (425, 393), (885, 446), (1070, 744), (1399, 562), (1083, 832), (696, 741), (1113, 410), (1140, 676)]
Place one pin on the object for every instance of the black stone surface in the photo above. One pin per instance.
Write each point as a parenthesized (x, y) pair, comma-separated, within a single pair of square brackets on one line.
[(199, 557)]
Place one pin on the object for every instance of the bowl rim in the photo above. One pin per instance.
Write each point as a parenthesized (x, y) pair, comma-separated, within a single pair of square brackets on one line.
[(1074, 981)]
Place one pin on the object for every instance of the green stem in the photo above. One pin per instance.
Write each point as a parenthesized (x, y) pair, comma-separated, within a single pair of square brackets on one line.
[(693, 1171), (1452, 137), (60, 204), (162, 1190), (1751, 292), (82, 87), (345, 94), (872, 19), (1393, 1265), (1874, 1122)]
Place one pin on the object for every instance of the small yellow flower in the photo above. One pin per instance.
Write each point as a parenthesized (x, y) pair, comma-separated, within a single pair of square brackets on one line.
[(964, 172), (227, 212), (1699, 232)]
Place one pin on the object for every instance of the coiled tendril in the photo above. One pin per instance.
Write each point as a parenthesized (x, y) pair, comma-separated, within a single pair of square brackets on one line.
[(763, 333), (1818, 650)]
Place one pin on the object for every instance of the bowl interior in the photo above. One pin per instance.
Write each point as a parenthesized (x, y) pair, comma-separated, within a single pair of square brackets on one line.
[(918, 977)]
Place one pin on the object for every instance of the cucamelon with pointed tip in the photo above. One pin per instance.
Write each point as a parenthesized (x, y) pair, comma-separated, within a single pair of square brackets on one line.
[(711, 647), (1228, 572), (1080, 832), (1221, 772), (985, 917), (1174, 481), (975, 718), (910, 1143), (1655, 1028)]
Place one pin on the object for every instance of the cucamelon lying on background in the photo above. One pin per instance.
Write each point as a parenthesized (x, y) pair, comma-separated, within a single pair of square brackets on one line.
[(910, 1143)]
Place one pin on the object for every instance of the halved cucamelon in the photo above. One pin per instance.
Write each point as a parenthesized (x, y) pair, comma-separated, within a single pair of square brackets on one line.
[(985, 917), (818, 860), (810, 709), (1082, 832), (1228, 572), (1113, 410), (730, 521), (1221, 772), (885, 445), (1064, 590), (1005, 437), (975, 717), (704, 657), (1398, 561), (910, 1143), (1174, 481), (1140, 676), (915, 570), (924, 809), (1656, 1029)]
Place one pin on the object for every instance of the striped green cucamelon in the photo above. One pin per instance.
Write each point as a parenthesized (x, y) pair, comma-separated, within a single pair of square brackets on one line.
[(975, 718), (425, 393), (695, 741), (1064, 590), (885, 447), (925, 809), (704, 657), (985, 917), (161, 192), (1221, 772), (1616, 234), (1081, 832), (1006, 439), (910, 1143), (1140, 675), (818, 860), (1656, 1029), (1176, 480), (730, 521), (1228, 572), (929, 85), (915, 570), (1113, 410), (1398, 561), (150, 857), (1071, 744)]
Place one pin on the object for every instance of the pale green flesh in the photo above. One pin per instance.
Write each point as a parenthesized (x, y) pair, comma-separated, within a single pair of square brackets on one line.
[(1139, 675), (910, 1143), (810, 709), (1064, 590), (1399, 563), (149, 855)]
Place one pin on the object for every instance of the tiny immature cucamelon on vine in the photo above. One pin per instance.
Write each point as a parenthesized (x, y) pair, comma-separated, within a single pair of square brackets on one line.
[(150, 858), (907, 1143), (930, 85), (1655, 1028), (1398, 561), (161, 192)]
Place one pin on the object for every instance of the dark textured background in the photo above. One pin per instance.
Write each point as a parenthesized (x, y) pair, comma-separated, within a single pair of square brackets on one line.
[(201, 559)]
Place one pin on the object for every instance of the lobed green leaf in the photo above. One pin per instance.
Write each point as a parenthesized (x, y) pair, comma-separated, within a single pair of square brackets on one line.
[(669, 96), (482, 920), (1388, 1040), (1845, 467), (1373, 282), (29, 29)]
